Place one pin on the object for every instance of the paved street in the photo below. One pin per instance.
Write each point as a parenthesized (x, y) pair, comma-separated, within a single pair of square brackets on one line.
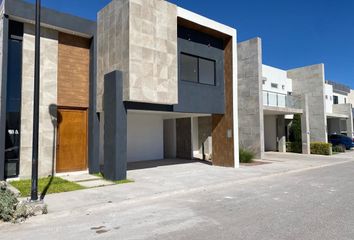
[(310, 203)]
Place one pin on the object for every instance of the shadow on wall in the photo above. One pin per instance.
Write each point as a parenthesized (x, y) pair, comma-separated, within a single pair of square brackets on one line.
[(56, 120)]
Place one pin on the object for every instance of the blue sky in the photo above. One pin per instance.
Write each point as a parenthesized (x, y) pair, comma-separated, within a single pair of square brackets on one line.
[(294, 33)]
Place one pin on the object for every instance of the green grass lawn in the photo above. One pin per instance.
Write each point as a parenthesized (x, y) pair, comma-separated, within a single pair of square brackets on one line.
[(116, 182), (123, 181), (56, 185)]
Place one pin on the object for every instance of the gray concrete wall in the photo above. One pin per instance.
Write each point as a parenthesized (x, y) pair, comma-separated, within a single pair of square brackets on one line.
[(310, 80), (139, 38), (48, 96), (251, 124)]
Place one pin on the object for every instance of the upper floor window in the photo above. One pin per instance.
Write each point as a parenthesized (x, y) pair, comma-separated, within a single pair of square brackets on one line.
[(274, 85), (197, 69), (335, 99)]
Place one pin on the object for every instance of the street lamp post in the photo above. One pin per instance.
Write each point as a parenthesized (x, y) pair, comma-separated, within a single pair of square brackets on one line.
[(34, 185)]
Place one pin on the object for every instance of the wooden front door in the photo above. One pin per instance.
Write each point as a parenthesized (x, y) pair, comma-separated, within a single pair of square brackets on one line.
[(71, 140)]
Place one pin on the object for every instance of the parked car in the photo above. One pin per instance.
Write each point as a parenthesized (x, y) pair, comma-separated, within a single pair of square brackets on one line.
[(341, 140)]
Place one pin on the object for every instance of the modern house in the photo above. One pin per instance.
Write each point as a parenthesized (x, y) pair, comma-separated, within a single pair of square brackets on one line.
[(269, 97), (338, 109), (67, 70), (148, 81), (173, 75)]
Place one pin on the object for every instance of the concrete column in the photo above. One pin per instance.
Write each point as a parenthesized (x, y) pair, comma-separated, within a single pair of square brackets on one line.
[(310, 80), (250, 110), (115, 128), (93, 123), (305, 126), (281, 133)]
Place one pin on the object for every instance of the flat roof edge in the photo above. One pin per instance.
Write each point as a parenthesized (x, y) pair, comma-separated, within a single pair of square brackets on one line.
[(20, 10), (206, 22)]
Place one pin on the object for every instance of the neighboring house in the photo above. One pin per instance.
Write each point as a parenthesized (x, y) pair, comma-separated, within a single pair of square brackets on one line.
[(338, 109), (351, 101), (67, 52), (162, 83), (267, 102), (268, 98)]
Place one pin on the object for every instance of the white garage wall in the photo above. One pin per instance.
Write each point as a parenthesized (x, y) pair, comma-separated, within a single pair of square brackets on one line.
[(145, 137)]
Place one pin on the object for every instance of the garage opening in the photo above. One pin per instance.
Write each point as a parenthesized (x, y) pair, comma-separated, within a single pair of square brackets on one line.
[(159, 138)]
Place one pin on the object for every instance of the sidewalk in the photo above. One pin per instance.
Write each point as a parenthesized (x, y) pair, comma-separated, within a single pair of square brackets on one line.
[(166, 180)]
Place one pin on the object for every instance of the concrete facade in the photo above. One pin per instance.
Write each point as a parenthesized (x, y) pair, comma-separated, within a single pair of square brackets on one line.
[(310, 81), (140, 39), (48, 97), (251, 123)]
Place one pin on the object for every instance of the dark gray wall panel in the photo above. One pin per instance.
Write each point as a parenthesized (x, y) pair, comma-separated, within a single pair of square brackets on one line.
[(197, 97)]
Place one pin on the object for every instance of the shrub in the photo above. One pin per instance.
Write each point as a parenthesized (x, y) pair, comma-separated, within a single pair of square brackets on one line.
[(8, 202), (246, 156), (295, 147), (321, 148), (339, 148), (295, 129)]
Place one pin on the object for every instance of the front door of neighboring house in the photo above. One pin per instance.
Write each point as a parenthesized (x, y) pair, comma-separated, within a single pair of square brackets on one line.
[(71, 140)]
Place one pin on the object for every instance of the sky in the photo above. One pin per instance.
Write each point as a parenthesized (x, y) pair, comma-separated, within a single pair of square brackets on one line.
[(294, 33)]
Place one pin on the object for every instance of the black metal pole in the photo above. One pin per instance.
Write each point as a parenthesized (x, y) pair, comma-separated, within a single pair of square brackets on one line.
[(34, 188)]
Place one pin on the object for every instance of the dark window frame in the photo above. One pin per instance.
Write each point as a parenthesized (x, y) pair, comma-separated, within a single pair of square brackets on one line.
[(198, 69)]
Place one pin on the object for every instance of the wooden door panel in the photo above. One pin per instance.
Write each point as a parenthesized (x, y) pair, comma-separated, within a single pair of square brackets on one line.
[(72, 140)]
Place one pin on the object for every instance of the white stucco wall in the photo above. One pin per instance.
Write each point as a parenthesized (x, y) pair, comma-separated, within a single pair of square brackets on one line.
[(328, 98), (277, 76), (270, 133), (145, 137)]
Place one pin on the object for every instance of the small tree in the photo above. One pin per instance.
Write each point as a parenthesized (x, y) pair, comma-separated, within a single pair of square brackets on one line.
[(295, 129)]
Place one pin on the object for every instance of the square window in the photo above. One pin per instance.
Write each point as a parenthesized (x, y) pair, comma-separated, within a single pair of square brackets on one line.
[(206, 71), (274, 85), (189, 68)]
